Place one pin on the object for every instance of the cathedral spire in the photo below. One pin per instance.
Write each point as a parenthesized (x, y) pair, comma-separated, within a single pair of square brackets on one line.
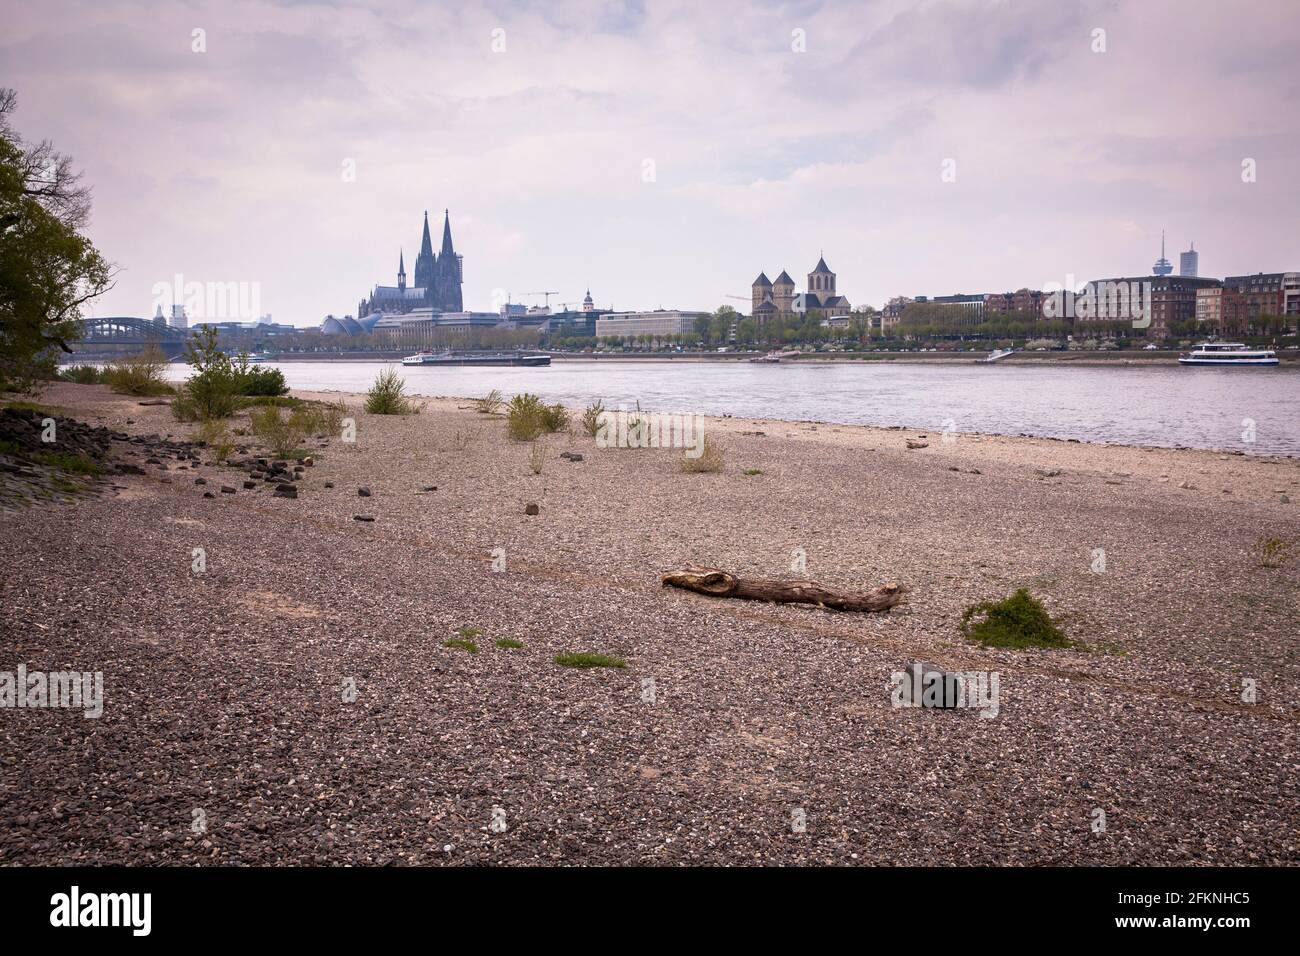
[(426, 244), (447, 249)]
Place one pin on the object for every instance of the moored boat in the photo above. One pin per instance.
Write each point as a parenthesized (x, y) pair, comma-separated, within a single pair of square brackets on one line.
[(1227, 353), (447, 357)]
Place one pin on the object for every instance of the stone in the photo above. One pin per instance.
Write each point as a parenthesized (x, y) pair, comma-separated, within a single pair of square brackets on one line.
[(286, 490), (329, 484), (532, 508), (363, 518), (208, 494), (248, 485), (363, 492), (945, 690), (227, 490), (200, 481)]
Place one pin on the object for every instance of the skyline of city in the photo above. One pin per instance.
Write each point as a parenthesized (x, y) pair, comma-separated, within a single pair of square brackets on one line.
[(659, 153)]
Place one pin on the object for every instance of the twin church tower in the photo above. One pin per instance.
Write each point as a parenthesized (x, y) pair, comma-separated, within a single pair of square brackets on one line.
[(436, 283)]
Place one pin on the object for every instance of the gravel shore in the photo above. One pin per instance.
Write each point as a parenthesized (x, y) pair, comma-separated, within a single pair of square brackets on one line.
[(227, 692)]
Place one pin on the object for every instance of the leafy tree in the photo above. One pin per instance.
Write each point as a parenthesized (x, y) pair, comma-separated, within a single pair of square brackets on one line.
[(48, 270)]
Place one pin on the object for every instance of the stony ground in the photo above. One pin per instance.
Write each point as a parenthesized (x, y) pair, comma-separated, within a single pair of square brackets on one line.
[(225, 691)]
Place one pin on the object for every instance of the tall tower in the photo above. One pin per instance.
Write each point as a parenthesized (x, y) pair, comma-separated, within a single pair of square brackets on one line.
[(759, 292), (1163, 266), (1189, 262), (447, 296), (401, 270), (587, 304), (783, 293), (425, 261), (821, 281)]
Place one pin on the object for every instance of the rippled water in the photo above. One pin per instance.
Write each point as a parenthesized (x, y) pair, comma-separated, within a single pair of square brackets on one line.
[(1164, 405)]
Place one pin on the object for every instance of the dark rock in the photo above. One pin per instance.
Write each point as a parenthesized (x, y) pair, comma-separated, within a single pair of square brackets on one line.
[(250, 484), (208, 494), (200, 481), (329, 484), (363, 492), (227, 490), (532, 508), (362, 518), (286, 491)]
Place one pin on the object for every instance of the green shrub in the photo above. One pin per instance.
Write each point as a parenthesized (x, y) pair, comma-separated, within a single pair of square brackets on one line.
[(281, 435), (462, 644), (216, 436), (65, 461), (509, 643), (524, 417), (554, 418), (212, 391), (386, 396), (256, 380), (82, 374), (589, 660), (1019, 621), (139, 374), (591, 417)]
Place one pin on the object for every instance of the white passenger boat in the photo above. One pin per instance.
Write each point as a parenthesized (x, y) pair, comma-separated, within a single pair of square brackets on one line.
[(1227, 353)]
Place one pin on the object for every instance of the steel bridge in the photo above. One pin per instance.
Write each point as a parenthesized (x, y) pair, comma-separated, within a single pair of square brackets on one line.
[(122, 332)]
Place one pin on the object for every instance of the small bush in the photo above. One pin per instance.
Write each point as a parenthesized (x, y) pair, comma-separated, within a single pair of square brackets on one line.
[(216, 436), (554, 418), (589, 660), (591, 417), (281, 435), (470, 631), (255, 380), (490, 403), (386, 396), (213, 390), (524, 417), (752, 471), (462, 644), (537, 457), (138, 375), (1019, 621), (710, 458), (82, 374)]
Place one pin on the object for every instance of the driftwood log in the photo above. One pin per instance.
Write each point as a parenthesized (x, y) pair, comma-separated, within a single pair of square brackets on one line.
[(717, 583)]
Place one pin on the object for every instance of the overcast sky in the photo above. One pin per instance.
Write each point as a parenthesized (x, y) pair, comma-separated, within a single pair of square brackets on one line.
[(664, 153)]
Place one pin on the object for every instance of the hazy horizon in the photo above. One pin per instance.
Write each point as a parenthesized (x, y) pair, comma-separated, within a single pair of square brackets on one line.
[(229, 165)]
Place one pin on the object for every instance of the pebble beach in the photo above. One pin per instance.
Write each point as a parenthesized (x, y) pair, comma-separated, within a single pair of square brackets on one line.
[(298, 691)]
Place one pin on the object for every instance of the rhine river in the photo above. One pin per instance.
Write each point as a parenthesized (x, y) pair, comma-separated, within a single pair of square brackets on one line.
[(1254, 410)]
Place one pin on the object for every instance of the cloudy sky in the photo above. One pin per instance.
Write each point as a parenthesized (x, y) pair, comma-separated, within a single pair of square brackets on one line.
[(665, 152)]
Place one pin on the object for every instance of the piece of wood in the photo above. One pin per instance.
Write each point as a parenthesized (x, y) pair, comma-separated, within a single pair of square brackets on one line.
[(716, 583)]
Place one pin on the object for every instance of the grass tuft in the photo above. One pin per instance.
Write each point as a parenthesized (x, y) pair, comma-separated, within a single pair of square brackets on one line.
[(709, 460), (64, 461), (462, 644), (1019, 622), (589, 660), (509, 642), (387, 395)]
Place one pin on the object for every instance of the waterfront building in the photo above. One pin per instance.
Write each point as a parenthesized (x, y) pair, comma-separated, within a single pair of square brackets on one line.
[(659, 322), (1189, 262), (1247, 298), (770, 300)]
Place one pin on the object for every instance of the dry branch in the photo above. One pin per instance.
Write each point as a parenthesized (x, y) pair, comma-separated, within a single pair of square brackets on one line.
[(717, 583)]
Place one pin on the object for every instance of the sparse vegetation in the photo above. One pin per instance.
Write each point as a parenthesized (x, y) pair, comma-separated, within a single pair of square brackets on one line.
[(82, 374), (710, 458), (489, 404), (216, 435), (537, 457), (589, 660), (555, 418), (139, 374), (468, 631), (1019, 622), (387, 396), (281, 435), (508, 643), (527, 417), (213, 390), (1272, 552), (591, 417), (65, 461), (752, 471), (463, 644)]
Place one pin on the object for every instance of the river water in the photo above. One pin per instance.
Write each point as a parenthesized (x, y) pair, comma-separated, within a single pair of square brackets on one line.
[(1255, 410)]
